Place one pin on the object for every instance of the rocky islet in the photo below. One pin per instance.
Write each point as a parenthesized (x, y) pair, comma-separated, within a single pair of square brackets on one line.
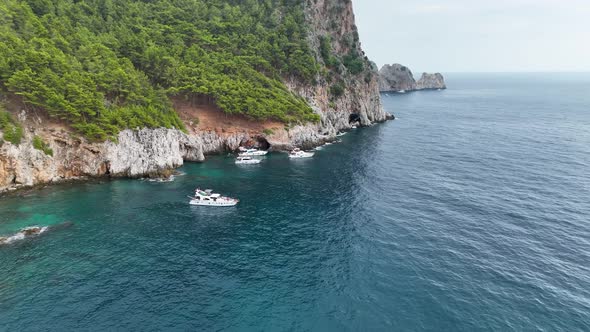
[(396, 78)]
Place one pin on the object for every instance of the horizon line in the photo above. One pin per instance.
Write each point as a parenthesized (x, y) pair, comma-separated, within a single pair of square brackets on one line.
[(509, 72)]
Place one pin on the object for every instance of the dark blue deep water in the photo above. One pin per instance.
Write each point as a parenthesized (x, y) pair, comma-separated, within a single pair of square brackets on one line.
[(470, 212)]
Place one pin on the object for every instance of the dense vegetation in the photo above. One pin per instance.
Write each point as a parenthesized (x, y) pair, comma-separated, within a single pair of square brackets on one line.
[(104, 65), (12, 131), (39, 144)]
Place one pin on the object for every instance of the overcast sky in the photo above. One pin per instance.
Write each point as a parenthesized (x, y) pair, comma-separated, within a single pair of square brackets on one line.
[(477, 35)]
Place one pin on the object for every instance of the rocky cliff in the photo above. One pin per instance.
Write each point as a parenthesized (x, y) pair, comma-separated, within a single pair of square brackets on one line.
[(334, 20), (146, 152), (431, 81), (397, 78), (153, 152)]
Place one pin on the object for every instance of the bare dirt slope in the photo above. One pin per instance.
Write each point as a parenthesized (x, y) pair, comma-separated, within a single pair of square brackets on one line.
[(210, 118)]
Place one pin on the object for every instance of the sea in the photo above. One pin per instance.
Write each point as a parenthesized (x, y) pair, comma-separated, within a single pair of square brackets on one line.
[(469, 212)]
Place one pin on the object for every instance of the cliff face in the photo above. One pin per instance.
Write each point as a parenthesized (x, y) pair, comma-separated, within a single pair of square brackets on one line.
[(135, 154), (335, 20), (395, 78), (151, 152)]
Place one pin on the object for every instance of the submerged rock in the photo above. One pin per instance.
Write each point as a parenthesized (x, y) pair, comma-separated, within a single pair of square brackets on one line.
[(33, 231), (23, 234)]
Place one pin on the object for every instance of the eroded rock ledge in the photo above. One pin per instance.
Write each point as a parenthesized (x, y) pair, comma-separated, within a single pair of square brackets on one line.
[(145, 152)]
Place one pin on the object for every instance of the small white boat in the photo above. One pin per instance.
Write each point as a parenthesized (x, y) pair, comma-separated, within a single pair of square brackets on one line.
[(252, 152), (247, 161), (298, 153), (208, 198), (341, 134), (353, 127), (402, 91)]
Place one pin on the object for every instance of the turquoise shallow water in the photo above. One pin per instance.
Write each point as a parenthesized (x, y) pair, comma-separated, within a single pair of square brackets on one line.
[(470, 212)]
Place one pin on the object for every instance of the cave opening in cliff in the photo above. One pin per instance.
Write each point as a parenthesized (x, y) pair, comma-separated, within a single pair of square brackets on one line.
[(262, 143), (354, 118), (106, 168)]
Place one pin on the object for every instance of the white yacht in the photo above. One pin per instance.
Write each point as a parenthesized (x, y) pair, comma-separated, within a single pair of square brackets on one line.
[(298, 153), (247, 161), (208, 198), (252, 152)]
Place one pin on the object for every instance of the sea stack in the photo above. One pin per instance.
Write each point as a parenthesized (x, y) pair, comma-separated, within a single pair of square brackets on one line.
[(431, 81), (397, 78)]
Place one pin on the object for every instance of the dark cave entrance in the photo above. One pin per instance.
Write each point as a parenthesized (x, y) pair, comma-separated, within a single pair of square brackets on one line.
[(262, 143), (354, 118), (257, 142)]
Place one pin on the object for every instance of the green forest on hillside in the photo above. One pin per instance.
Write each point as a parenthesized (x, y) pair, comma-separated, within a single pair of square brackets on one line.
[(105, 65)]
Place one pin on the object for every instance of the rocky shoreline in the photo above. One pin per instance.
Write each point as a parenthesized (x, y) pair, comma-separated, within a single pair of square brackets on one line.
[(140, 153)]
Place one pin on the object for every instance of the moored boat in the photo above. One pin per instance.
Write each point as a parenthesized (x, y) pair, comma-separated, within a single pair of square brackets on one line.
[(298, 153), (252, 152), (208, 198), (247, 161)]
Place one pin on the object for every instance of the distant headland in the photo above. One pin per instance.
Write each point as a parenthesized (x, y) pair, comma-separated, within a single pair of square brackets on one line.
[(399, 78)]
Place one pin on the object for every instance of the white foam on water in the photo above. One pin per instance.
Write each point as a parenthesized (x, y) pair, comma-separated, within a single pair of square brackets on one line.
[(168, 179), (22, 234)]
